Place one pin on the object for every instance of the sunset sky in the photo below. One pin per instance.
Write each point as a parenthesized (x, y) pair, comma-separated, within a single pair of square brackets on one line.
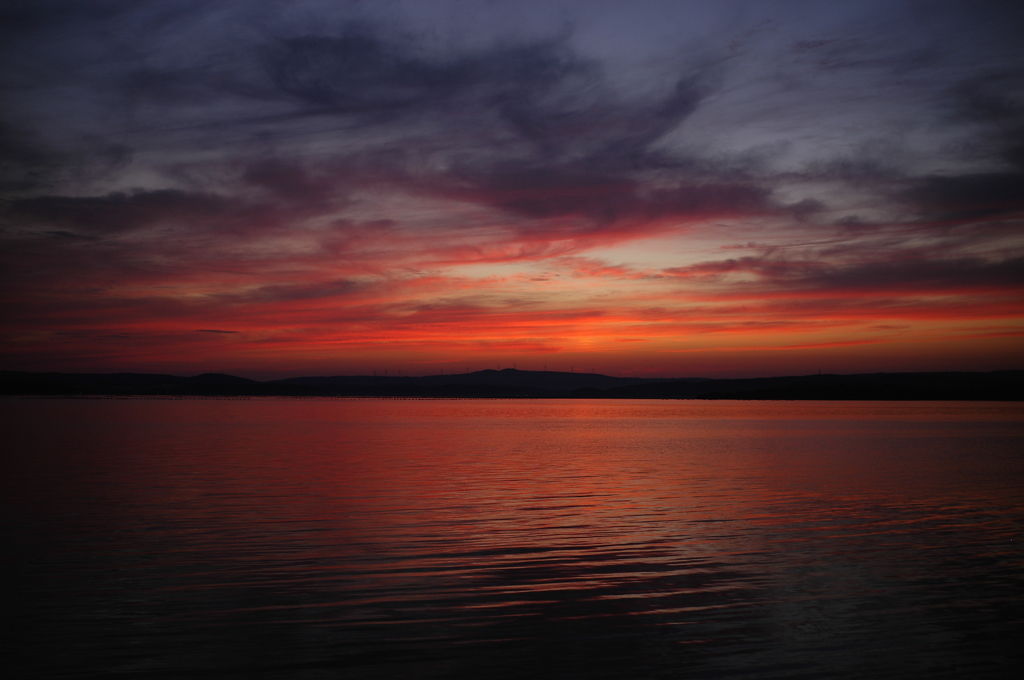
[(667, 189)]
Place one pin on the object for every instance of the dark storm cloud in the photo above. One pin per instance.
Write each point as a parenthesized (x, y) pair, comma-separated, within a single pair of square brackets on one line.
[(969, 197), (40, 15), (576, 147), (895, 274), (288, 180), (554, 119), (586, 149), (539, 93), (569, 190), (118, 212), (363, 73), (543, 103), (989, 98), (23, 165), (925, 275)]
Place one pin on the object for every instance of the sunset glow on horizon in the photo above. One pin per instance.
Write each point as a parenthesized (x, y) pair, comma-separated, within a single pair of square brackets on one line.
[(661, 189)]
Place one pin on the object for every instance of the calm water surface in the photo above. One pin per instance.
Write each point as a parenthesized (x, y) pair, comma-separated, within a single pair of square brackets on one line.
[(523, 539)]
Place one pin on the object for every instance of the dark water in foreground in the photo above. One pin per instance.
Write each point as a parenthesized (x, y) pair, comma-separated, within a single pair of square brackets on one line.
[(520, 539)]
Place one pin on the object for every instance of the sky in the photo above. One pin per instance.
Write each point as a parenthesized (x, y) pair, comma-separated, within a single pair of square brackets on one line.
[(643, 188)]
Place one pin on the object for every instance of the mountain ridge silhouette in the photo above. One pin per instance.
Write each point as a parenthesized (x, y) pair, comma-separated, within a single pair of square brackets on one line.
[(512, 383)]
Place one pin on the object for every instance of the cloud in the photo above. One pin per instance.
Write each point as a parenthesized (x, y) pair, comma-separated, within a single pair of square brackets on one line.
[(343, 172), (968, 197), (889, 273), (119, 212)]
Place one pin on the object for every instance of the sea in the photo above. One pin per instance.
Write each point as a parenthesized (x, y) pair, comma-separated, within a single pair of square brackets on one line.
[(418, 538)]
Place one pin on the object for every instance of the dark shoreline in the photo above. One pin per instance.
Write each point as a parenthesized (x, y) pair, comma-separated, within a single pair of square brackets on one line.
[(511, 383)]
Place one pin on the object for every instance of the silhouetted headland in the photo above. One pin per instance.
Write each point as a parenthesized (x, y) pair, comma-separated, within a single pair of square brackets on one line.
[(512, 383)]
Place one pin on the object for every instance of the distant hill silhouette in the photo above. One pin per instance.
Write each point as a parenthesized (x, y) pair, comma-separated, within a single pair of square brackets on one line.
[(512, 383), (993, 386), (541, 381)]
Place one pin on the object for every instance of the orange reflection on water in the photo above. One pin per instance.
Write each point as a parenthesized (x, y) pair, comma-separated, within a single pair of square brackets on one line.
[(395, 528)]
